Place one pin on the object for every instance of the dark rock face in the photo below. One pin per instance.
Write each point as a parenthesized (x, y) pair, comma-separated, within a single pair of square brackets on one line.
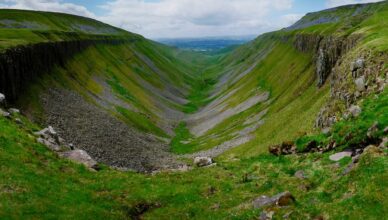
[(20, 65), (326, 50)]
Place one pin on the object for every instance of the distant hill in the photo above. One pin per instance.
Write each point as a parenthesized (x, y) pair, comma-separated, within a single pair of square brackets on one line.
[(206, 45)]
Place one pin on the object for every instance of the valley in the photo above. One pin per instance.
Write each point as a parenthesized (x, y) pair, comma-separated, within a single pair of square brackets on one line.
[(270, 116)]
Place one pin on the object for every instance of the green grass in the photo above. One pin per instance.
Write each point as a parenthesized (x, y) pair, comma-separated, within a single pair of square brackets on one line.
[(182, 134), (352, 132), (34, 27), (199, 95), (44, 186), (140, 121)]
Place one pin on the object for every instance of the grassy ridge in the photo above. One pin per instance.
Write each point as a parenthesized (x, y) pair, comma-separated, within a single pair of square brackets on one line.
[(16, 29)]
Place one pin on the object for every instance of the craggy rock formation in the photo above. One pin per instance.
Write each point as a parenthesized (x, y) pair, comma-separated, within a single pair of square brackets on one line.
[(327, 51), (20, 65), (355, 77)]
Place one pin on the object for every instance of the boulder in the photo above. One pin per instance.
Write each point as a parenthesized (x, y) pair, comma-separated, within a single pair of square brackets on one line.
[(14, 111), (339, 156), (79, 156), (203, 161), (2, 99), (281, 199), (4, 113), (355, 110), (50, 134), (360, 84)]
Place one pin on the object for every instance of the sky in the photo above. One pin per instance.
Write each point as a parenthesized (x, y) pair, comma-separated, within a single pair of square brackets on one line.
[(187, 18)]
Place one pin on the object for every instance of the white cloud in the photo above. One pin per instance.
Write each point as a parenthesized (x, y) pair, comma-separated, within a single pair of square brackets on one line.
[(335, 3), (193, 18), (47, 5), (290, 19), (185, 18)]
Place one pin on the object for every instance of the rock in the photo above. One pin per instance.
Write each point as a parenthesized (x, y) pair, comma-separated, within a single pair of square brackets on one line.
[(358, 64), (383, 143), (50, 144), (266, 215), (50, 134), (4, 114), (2, 99), (360, 84), (281, 199), (287, 147), (275, 150), (373, 129), (322, 67), (14, 111), (355, 110), (326, 130), (348, 169), (203, 161), (357, 94), (18, 121), (79, 156), (386, 130), (300, 174), (339, 156), (51, 131)]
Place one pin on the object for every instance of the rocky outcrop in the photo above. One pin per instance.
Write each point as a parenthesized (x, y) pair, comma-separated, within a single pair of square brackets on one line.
[(22, 64), (326, 50)]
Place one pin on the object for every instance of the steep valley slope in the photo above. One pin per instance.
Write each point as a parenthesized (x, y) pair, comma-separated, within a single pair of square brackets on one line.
[(141, 106)]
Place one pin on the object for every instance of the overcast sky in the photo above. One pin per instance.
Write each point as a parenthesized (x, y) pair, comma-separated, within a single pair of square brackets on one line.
[(187, 18)]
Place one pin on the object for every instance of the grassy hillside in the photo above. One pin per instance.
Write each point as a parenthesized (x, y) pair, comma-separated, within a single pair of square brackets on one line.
[(148, 107), (23, 27), (35, 183)]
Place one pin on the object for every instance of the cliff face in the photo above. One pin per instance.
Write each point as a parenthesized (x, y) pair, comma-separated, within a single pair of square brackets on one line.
[(354, 73), (20, 65), (326, 50)]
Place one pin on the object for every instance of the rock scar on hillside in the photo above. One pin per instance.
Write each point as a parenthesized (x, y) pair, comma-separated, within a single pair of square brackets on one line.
[(216, 112), (103, 136), (241, 137)]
